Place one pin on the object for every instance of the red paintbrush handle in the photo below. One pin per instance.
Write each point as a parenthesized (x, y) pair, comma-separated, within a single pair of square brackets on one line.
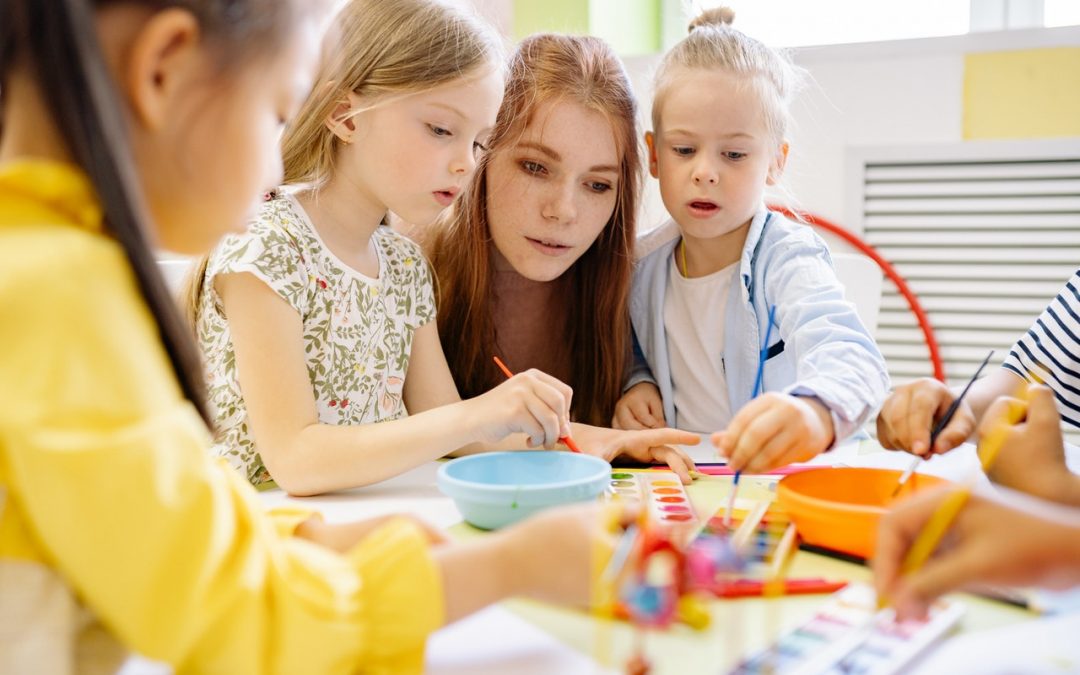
[(569, 442)]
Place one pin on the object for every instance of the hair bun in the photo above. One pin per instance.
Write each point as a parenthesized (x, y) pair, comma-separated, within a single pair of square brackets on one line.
[(718, 16)]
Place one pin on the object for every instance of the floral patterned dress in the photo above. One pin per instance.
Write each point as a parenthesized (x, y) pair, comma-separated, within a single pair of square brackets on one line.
[(358, 331)]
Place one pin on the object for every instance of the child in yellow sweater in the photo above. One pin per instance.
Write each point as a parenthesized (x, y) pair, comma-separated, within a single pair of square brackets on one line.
[(127, 124)]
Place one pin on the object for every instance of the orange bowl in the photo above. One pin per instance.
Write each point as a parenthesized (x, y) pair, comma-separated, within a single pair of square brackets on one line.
[(839, 508)]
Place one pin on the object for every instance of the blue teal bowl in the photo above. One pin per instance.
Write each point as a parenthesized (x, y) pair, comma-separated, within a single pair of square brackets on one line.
[(494, 489)]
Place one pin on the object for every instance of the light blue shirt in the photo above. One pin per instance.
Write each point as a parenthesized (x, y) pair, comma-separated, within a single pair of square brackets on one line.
[(819, 347)]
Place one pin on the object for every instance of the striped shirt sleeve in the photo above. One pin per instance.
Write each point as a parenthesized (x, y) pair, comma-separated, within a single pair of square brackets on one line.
[(1050, 351)]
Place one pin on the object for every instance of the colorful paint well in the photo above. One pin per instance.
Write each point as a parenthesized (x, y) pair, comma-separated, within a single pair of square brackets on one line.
[(662, 492), (625, 486)]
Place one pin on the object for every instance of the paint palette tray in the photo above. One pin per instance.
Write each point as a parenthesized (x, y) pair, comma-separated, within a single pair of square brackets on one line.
[(849, 635), (661, 491), (758, 542)]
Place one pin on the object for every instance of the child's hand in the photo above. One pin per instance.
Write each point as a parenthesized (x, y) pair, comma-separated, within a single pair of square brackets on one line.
[(910, 412), (774, 430), (650, 446), (990, 542), (552, 554), (531, 402), (1032, 459), (640, 408)]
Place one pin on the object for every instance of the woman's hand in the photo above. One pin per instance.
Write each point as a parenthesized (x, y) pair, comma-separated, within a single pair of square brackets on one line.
[(774, 430), (652, 446)]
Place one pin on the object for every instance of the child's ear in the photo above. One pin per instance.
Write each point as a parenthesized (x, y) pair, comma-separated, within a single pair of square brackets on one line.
[(650, 143), (164, 58), (340, 121), (776, 169)]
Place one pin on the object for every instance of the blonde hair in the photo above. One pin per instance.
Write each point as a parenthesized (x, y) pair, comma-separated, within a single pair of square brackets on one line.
[(382, 49), (378, 49), (714, 44)]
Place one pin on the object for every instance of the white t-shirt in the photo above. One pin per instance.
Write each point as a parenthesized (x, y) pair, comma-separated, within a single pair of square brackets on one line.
[(694, 324)]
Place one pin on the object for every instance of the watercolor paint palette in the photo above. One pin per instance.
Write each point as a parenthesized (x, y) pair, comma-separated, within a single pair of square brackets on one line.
[(760, 543), (661, 491), (849, 635)]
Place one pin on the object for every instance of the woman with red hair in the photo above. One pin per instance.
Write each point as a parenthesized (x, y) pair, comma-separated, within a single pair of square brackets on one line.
[(534, 262)]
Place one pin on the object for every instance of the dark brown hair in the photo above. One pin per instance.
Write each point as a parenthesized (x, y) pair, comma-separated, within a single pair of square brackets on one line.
[(55, 41)]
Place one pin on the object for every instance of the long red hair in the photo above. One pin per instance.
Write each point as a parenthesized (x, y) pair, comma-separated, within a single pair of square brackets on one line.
[(546, 67)]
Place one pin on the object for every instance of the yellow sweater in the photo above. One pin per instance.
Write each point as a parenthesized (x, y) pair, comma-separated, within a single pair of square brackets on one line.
[(116, 526)]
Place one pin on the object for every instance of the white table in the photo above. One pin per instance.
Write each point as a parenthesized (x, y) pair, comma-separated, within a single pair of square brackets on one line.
[(413, 492), (499, 640)]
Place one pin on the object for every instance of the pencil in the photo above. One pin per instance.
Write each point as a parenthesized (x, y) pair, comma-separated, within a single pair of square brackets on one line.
[(566, 440), (934, 530), (942, 519)]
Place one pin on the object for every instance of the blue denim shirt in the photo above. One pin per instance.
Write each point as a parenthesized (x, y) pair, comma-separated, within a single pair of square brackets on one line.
[(819, 347)]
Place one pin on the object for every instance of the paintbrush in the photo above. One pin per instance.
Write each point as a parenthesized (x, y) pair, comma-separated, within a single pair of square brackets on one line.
[(942, 423), (758, 384), (565, 440)]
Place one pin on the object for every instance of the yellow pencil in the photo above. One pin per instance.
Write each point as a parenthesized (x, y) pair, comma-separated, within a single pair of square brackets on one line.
[(934, 530), (939, 523)]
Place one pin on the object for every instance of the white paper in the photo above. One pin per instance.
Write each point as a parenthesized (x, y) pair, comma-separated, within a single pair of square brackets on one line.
[(414, 492), (704, 452), (956, 465), (496, 641), (1040, 646)]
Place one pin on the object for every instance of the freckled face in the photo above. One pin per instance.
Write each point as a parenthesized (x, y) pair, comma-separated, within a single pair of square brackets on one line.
[(550, 195)]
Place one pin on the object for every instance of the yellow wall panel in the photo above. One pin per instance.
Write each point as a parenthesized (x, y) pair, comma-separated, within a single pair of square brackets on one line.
[(1032, 93)]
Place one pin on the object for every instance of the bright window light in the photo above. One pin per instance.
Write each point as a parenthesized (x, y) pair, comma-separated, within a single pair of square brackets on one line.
[(795, 23), (1061, 13)]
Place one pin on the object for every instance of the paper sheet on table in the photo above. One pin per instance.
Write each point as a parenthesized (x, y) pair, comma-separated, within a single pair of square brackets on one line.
[(956, 465), (497, 641), (1039, 646), (704, 452), (846, 454)]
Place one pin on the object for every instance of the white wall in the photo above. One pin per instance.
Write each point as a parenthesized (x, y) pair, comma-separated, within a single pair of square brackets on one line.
[(902, 92), (871, 94)]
